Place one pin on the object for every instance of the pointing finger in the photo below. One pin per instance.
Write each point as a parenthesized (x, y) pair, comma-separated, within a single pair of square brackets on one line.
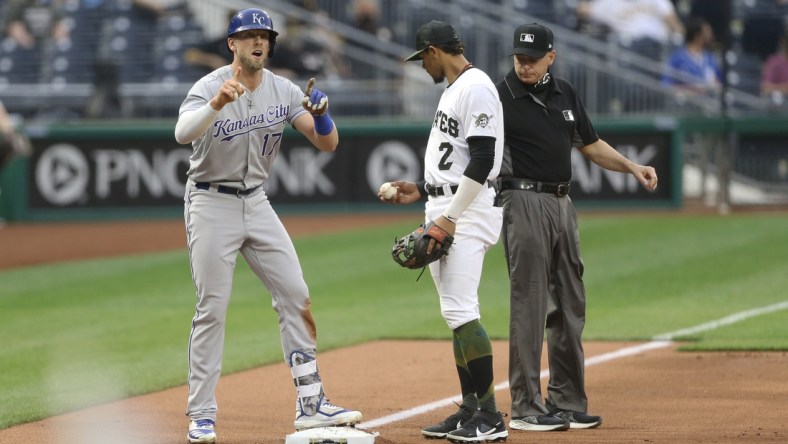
[(236, 84), (309, 86)]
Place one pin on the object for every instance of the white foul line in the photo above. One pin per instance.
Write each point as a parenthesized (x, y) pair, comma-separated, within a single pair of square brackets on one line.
[(732, 319), (659, 341)]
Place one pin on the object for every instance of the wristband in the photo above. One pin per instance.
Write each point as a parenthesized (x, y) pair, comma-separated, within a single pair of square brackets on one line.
[(467, 191), (422, 187), (323, 124)]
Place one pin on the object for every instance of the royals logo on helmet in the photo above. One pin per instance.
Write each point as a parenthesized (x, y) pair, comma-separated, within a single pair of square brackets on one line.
[(257, 18)]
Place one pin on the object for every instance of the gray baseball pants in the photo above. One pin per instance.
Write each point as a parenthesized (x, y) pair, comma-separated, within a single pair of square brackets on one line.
[(219, 226), (542, 244)]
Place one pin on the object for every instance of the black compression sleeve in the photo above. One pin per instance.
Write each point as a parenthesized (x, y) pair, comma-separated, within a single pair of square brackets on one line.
[(482, 158)]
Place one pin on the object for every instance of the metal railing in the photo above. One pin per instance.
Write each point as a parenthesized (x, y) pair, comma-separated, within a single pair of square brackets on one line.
[(611, 80)]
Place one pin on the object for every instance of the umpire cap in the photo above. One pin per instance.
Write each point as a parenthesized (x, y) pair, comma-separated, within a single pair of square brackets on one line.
[(532, 40), (433, 33)]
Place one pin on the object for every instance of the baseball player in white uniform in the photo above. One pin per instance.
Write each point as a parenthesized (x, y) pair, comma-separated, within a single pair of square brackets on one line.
[(463, 156), (234, 118)]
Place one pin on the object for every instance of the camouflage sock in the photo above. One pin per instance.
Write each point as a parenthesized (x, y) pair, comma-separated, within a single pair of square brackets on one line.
[(466, 382), (476, 349)]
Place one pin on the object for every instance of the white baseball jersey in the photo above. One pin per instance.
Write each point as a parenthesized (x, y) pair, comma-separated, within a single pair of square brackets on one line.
[(241, 145), (468, 107)]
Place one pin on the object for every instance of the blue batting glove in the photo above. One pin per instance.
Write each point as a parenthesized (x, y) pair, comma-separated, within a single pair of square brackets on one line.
[(314, 101)]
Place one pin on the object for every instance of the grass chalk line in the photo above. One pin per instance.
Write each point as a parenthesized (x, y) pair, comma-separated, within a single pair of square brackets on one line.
[(659, 341)]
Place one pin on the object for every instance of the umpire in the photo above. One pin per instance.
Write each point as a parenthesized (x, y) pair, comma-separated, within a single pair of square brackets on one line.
[(543, 119)]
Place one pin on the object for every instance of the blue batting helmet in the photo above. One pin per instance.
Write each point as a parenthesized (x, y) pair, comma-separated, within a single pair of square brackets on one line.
[(253, 18)]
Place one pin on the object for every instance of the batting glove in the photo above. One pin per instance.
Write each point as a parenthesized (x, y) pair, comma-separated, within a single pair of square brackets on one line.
[(314, 101)]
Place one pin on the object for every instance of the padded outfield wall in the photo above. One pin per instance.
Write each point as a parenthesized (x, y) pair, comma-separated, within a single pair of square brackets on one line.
[(111, 170)]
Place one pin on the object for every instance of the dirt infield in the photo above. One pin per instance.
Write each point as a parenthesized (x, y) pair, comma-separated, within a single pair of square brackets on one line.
[(653, 396), (48, 242)]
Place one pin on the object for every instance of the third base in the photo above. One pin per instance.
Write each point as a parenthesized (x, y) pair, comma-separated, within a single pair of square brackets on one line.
[(332, 435)]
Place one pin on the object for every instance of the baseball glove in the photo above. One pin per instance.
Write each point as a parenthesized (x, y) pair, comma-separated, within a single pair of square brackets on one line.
[(413, 250)]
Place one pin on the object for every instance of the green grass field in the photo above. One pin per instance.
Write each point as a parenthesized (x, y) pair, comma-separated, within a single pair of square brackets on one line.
[(83, 333)]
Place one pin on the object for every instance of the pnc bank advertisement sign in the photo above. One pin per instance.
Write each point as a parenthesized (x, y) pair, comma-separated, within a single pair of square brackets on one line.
[(121, 173), (73, 174)]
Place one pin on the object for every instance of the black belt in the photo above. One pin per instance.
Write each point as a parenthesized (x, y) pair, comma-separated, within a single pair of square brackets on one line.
[(436, 191), (226, 190), (557, 188)]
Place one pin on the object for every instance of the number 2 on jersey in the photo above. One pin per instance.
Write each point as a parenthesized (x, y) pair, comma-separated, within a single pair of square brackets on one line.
[(444, 164), (274, 139)]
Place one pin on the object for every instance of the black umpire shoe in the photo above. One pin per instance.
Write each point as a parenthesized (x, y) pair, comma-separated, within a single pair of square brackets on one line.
[(539, 423), (482, 427), (449, 424), (579, 420)]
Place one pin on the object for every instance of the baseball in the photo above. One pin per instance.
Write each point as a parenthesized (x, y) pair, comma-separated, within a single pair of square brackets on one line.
[(387, 191)]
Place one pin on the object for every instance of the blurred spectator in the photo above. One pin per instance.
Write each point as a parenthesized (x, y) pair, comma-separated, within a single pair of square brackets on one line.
[(693, 68), (774, 78), (644, 26), (366, 17), (297, 56), (302, 54), (32, 22), (155, 8), (211, 54), (312, 49), (719, 15), (125, 54)]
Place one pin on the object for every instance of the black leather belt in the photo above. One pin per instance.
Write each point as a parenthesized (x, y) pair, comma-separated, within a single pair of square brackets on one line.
[(557, 188), (226, 190), (435, 191)]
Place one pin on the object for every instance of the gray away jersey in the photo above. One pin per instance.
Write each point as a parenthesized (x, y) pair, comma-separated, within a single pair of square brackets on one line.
[(240, 146)]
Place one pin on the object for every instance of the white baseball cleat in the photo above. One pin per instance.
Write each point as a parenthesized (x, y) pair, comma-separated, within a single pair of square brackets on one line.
[(201, 431), (327, 415)]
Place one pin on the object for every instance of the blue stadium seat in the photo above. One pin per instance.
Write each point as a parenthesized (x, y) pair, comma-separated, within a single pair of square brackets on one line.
[(745, 73), (18, 64), (131, 37), (72, 62), (176, 32)]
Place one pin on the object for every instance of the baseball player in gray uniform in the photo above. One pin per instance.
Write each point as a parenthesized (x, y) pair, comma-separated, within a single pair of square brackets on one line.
[(464, 153), (234, 118)]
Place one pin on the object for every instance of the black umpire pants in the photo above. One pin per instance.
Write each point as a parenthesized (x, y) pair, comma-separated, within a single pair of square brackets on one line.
[(542, 245)]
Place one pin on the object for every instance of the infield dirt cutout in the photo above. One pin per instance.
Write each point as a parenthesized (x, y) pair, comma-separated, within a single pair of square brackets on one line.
[(656, 396)]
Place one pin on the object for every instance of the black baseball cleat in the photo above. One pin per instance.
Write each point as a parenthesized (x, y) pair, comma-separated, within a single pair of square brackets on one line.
[(449, 424), (579, 420), (482, 427)]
